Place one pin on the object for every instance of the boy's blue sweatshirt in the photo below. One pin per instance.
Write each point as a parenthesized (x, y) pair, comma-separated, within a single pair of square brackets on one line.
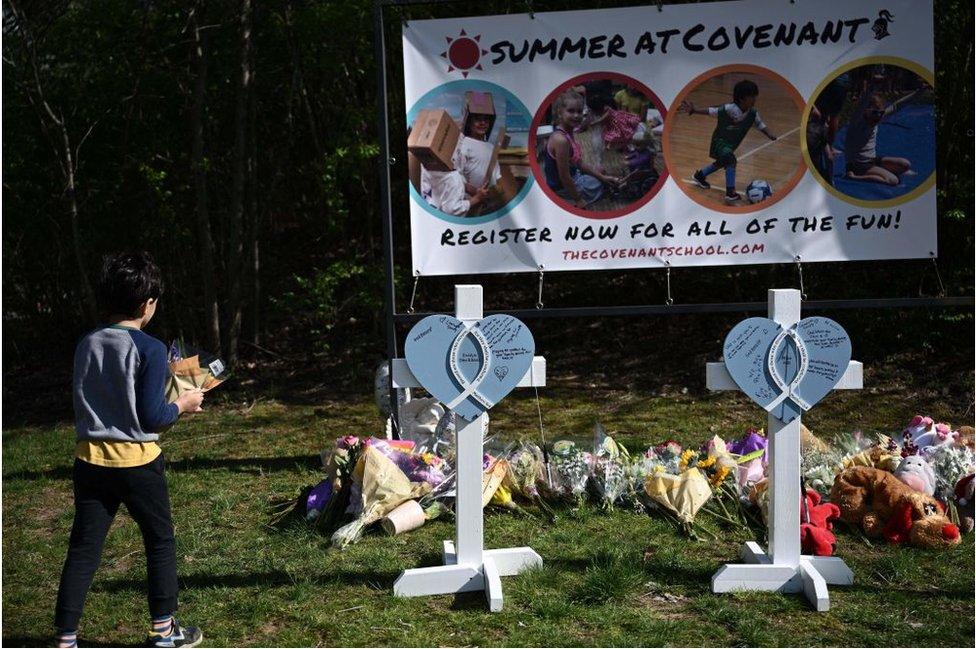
[(119, 386)]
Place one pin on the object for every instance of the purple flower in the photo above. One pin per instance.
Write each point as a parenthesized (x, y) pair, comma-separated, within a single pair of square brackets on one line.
[(319, 496)]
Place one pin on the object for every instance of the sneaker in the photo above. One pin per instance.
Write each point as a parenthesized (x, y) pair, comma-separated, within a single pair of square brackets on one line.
[(732, 197), (700, 180), (182, 636)]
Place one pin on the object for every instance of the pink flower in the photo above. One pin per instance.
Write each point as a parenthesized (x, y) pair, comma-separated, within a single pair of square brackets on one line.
[(349, 441), (943, 431)]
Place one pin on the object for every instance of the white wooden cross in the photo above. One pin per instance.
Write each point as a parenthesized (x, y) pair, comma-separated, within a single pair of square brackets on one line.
[(783, 568), (467, 565)]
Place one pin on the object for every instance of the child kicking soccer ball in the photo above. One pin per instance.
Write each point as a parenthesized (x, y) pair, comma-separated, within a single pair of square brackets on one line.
[(734, 121)]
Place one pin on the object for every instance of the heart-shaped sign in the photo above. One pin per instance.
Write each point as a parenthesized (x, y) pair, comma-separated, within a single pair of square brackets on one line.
[(787, 371), (469, 367)]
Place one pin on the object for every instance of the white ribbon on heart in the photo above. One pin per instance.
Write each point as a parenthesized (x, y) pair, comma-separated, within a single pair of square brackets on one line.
[(470, 389), (787, 391)]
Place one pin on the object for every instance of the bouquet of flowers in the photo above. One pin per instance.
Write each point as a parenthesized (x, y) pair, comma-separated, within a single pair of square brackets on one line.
[(418, 467), (950, 463), (382, 486), (572, 468), (610, 476), (752, 458), (682, 494), (191, 369)]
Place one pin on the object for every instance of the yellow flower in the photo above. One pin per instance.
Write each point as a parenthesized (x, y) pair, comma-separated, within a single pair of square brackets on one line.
[(707, 462), (686, 458), (658, 468), (719, 476)]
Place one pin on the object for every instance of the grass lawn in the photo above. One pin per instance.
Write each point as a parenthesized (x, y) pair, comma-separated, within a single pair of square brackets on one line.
[(609, 578)]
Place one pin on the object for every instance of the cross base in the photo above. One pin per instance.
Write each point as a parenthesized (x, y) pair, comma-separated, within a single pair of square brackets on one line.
[(759, 572), (465, 578)]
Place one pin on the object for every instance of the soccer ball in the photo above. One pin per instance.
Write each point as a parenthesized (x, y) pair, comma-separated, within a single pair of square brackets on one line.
[(758, 191)]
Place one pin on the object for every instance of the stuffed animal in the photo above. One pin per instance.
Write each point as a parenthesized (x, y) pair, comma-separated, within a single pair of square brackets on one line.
[(816, 523), (917, 474), (885, 506), (967, 436), (964, 503), (926, 436)]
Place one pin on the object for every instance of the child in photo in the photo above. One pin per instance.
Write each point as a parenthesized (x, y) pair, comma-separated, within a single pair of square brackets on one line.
[(734, 121), (475, 150), (641, 174), (860, 143), (620, 127), (632, 101), (566, 173), (120, 375), (823, 125), (446, 191)]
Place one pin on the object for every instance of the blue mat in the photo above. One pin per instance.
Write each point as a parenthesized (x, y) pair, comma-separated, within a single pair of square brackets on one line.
[(909, 133)]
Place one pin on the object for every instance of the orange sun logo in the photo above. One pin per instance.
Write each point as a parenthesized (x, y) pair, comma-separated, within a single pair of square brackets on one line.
[(463, 53)]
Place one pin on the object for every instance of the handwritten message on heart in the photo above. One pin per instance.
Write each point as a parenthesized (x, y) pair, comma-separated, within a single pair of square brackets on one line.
[(469, 367), (787, 371)]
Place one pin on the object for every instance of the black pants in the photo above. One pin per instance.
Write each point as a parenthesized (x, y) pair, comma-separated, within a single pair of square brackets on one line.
[(98, 493)]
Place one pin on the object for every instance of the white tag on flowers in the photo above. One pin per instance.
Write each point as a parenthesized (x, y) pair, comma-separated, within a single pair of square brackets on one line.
[(216, 367)]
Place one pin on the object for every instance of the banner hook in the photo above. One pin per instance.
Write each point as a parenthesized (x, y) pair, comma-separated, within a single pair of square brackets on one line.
[(799, 270), (413, 293), (538, 302), (667, 265)]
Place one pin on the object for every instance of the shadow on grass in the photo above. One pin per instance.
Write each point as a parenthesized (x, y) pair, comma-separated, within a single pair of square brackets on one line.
[(47, 641), (255, 465), (379, 579)]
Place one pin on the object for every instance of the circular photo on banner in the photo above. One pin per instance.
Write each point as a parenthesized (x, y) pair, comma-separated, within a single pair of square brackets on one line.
[(869, 132), (732, 141), (467, 151), (595, 145)]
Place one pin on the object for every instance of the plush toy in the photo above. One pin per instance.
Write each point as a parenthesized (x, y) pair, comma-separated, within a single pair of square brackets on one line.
[(926, 436), (964, 503), (917, 474), (884, 454), (885, 506), (816, 523), (967, 436)]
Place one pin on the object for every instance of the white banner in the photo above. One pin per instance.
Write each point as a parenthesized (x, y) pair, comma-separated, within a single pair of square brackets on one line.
[(743, 132)]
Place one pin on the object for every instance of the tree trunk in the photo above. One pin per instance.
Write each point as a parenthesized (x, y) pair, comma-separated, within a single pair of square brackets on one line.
[(91, 309), (204, 238), (252, 214), (235, 252), (62, 152)]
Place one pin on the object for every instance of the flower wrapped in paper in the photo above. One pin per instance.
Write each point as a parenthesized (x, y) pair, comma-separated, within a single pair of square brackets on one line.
[(382, 486), (682, 494), (191, 369)]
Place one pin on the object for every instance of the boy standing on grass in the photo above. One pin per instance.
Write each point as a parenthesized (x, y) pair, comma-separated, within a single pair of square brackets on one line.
[(119, 379), (734, 122)]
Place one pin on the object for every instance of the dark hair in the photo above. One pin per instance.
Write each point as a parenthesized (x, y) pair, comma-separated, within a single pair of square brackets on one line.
[(597, 102), (745, 88), (127, 280)]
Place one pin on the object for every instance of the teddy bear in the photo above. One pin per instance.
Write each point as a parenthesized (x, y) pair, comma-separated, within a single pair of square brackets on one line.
[(918, 474), (964, 503), (816, 523), (885, 506), (967, 437)]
